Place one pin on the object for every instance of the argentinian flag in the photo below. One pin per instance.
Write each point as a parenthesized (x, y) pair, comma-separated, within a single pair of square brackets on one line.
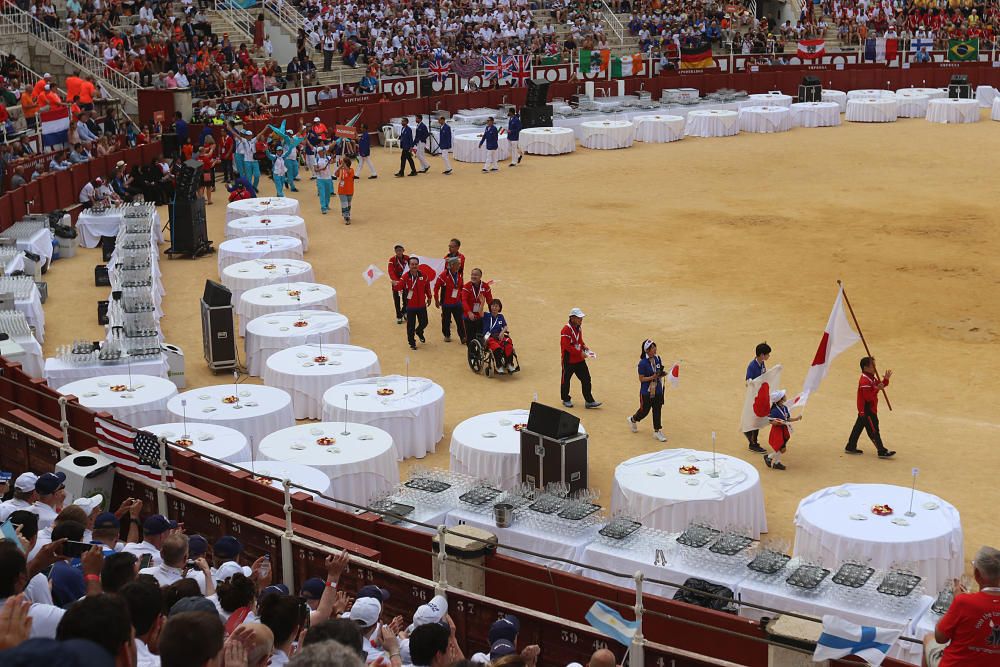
[(610, 622), (841, 638)]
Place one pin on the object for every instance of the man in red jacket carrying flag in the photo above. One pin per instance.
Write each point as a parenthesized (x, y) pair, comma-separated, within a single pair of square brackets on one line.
[(868, 388), (398, 265), (574, 360)]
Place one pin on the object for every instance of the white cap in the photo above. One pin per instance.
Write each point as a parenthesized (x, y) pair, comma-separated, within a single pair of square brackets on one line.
[(432, 612), (576, 312), (366, 611), (89, 504), (229, 568), (25, 482), (46, 76), (777, 395), (316, 119)]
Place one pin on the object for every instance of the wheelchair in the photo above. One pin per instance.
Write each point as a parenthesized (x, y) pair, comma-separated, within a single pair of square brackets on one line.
[(481, 360)]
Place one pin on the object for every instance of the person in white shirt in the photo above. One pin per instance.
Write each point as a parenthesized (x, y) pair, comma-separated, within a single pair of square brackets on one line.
[(175, 565), (16, 572), (51, 494), (284, 615), (145, 606), (37, 588), (155, 530), (24, 495)]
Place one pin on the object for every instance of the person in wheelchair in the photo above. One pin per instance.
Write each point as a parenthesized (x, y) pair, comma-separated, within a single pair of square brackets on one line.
[(497, 338)]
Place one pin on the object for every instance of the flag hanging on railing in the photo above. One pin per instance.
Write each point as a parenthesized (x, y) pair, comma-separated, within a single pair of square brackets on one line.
[(495, 67), (697, 57), (55, 126), (918, 43), (842, 638), (963, 50), (811, 49), (439, 69), (520, 70), (627, 65), (880, 49), (611, 623), (132, 450), (467, 67)]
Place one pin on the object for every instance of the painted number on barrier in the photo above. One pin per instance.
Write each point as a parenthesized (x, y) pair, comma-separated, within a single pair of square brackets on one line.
[(419, 593), (599, 644), (215, 519), (463, 606), (568, 637)]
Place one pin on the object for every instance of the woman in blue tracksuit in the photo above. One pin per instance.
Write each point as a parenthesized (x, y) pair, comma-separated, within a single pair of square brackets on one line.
[(291, 163), (651, 374), (444, 143), (365, 151)]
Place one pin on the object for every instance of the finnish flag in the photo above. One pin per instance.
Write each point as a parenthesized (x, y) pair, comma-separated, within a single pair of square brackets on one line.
[(610, 622), (841, 638)]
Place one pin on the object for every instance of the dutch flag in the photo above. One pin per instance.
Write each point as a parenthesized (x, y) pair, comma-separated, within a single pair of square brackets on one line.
[(841, 638), (55, 126), (610, 622)]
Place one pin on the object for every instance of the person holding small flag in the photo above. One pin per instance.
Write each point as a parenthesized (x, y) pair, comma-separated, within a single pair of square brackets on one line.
[(780, 419), (365, 152), (756, 368), (444, 143), (416, 291), (513, 132), (491, 137), (869, 386), (574, 354), (422, 135), (398, 264), (651, 374), (406, 149)]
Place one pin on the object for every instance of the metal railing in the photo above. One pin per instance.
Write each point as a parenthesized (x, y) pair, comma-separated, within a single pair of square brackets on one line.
[(236, 16), (613, 22), (287, 15), (16, 24)]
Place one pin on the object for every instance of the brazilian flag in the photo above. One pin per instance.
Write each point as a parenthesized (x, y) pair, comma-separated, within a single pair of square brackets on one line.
[(963, 50), (551, 60)]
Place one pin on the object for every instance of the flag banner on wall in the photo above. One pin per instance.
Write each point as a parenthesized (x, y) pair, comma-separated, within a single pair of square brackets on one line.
[(697, 57), (963, 50)]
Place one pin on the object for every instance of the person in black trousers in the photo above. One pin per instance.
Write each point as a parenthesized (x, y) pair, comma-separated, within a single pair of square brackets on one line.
[(651, 374), (574, 360), (416, 291), (869, 386), (406, 146)]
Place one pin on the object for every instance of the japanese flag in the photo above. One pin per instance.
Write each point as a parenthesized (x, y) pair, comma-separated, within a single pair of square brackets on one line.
[(837, 337), (757, 402), (674, 375), (431, 267), (372, 273)]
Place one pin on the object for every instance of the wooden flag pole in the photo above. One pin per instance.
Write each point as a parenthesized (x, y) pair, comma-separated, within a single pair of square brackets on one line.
[(863, 341)]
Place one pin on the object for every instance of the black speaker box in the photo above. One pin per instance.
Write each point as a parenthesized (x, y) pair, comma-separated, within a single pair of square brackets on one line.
[(810, 93), (102, 313), (538, 93), (101, 277), (546, 460), (218, 336), (536, 116), (170, 143), (107, 247), (187, 225), (811, 81), (216, 294), (552, 422), (959, 91), (960, 79)]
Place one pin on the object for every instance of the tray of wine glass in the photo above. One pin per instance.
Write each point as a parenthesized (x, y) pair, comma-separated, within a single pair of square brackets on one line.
[(853, 575), (579, 511), (428, 485), (769, 562), (697, 535), (480, 495), (808, 577), (898, 584), (619, 528)]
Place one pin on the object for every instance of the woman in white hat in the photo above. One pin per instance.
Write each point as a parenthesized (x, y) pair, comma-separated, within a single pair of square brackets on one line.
[(651, 373), (781, 432)]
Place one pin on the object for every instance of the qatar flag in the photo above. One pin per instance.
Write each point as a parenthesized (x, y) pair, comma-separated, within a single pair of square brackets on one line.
[(757, 402), (837, 337), (372, 273)]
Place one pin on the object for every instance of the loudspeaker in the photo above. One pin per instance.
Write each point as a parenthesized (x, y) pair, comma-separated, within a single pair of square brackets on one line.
[(218, 336), (188, 231), (101, 277), (108, 247), (959, 91), (959, 79), (552, 422), (188, 180), (810, 93), (216, 295), (546, 460), (426, 86), (536, 116), (170, 143), (538, 93), (102, 313), (811, 81)]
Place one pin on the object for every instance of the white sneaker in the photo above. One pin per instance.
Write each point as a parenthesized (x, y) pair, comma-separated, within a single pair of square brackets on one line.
[(659, 436), (632, 425), (500, 370), (512, 368)]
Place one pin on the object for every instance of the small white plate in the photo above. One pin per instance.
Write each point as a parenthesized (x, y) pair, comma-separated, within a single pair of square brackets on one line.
[(931, 505), (251, 404), (301, 355), (691, 459), (859, 517), (265, 296), (308, 364), (361, 393), (505, 422), (489, 434), (204, 397), (244, 393), (89, 394), (655, 473), (208, 409), (316, 431), (282, 328), (243, 270), (273, 321), (843, 493), (205, 436), (139, 386), (692, 482), (366, 436), (333, 362), (900, 521), (103, 384), (128, 395), (333, 450), (337, 353), (297, 446)]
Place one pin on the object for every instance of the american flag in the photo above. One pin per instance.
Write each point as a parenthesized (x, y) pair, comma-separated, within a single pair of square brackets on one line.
[(132, 450), (520, 69), (439, 69), (496, 67)]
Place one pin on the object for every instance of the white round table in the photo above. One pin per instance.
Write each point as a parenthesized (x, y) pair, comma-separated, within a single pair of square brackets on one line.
[(931, 540), (262, 206), (816, 114), (652, 489), (92, 226), (219, 442), (765, 120), (281, 297), (712, 123), (656, 129), (303, 372), (266, 225), (466, 147), (931, 93), (607, 134), (145, 404), (261, 410), (869, 92), (838, 96), (303, 476), (944, 110), (244, 276), (910, 104), (871, 109), (995, 110), (413, 414), (359, 465), (278, 331), (258, 247), (985, 96), (547, 140), (488, 446), (767, 100)]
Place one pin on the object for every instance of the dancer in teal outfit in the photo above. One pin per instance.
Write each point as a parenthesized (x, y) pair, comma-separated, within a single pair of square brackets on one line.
[(324, 178)]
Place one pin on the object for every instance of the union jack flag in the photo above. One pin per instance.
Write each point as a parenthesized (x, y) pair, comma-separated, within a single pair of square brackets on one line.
[(496, 67), (439, 69), (520, 70)]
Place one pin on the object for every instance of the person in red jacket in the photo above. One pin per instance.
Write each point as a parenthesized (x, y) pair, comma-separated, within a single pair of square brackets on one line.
[(868, 387), (398, 264), (475, 296), (448, 297), (226, 157), (416, 289), (574, 360), (453, 253)]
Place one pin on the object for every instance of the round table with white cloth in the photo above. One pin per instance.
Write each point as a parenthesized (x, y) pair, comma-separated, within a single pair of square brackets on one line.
[(838, 96), (765, 120), (712, 123), (488, 446), (995, 111), (467, 149), (219, 442), (259, 411), (241, 249), (953, 111), (910, 104), (59, 373), (653, 490), (931, 93), (277, 331), (547, 140), (302, 476), (985, 96), (92, 226), (656, 129), (265, 225), (262, 206), (360, 464), (143, 402), (816, 114), (244, 276), (767, 100), (871, 109), (281, 297), (307, 371), (413, 414), (837, 523), (869, 92), (607, 134)]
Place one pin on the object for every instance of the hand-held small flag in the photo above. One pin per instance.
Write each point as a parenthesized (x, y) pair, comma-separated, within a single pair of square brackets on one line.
[(609, 622), (372, 273), (674, 376)]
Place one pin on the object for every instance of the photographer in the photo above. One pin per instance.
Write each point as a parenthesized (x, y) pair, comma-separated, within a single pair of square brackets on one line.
[(651, 373), (177, 566)]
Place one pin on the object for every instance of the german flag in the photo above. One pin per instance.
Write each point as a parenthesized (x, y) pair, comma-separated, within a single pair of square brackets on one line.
[(697, 57)]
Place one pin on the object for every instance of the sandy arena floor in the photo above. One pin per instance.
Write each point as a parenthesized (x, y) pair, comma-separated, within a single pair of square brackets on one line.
[(708, 246)]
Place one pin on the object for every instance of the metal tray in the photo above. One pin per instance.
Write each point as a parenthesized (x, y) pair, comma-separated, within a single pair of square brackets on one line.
[(943, 601), (579, 512), (730, 544), (898, 584), (479, 495), (619, 529), (769, 562), (428, 485), (546, 505), (853, 575), (808, 577), (697, 536)]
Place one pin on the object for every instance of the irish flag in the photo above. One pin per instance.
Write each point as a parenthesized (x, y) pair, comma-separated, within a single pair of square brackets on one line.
[(837, 337), (55, 126), (810, 49), (626, 65), (594, 61)]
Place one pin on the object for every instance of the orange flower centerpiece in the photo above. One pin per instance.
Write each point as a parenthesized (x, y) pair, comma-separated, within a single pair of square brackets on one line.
[(518, 427), (689, 470), (263, 242), (325, 440), (881, 510), (118, 387), (270, 267), (321, 359), (300, 323), (183, 442), (229, 400), (294, 292), (385, 391), (265, 221)]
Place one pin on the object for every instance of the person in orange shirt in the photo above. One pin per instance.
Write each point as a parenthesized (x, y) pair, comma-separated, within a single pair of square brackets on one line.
[(30, 106), (87, 90), (345, 188), (73, 84), (39, 86)]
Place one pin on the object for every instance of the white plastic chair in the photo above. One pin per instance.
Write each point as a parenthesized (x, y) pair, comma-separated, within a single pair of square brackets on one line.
[(389, 138)]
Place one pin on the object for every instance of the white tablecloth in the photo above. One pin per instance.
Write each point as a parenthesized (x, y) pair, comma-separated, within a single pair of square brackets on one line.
[(466, 147), (145, 405), (985, 96), (476, 116), (59, 373), (767, 100), (995, 111), (547, 140), (39, 243), (953, 111), (838, 96), (870, 92), (296, 371), (414, 419), (278, 331), (638, 556), (712, 123), (219, 442), (816, 114), (262, 206), (487, 446), (243, 276), (932, 540), (671, 501), (258, 247), (871, 109), (33, 312), (266, 225), (911, 105), (91, 227), (32, 362), (931, 93), (282, 297), (262, 410), (14, 264), (304, 476), (359, 465), (607, 134), (765, 120), (658, 129)]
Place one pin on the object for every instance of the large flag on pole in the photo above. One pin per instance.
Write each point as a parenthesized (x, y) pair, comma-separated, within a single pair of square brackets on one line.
[(841, 638), (55, 126), (757, 401), (837, 337)]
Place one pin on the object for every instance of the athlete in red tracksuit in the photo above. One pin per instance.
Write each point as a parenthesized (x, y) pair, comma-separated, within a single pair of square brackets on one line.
[(868, 388), (574, 360), (476, 299), (416, 289), (448, 297), (398, 265)]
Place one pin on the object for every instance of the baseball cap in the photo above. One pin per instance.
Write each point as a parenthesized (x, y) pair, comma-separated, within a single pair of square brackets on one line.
[(316, 119), (50, 482), (312, 588), (46, 76), (280, 589), (197, 546), (504, 628), (500, 648), (89, 504), (25, 482), (777, 395), (576, 312), (432, 612), (193, 603), (106, 520), (365, 611), (228, 569), (66, 653), (157, 525), (227, 546), (372, 591)]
